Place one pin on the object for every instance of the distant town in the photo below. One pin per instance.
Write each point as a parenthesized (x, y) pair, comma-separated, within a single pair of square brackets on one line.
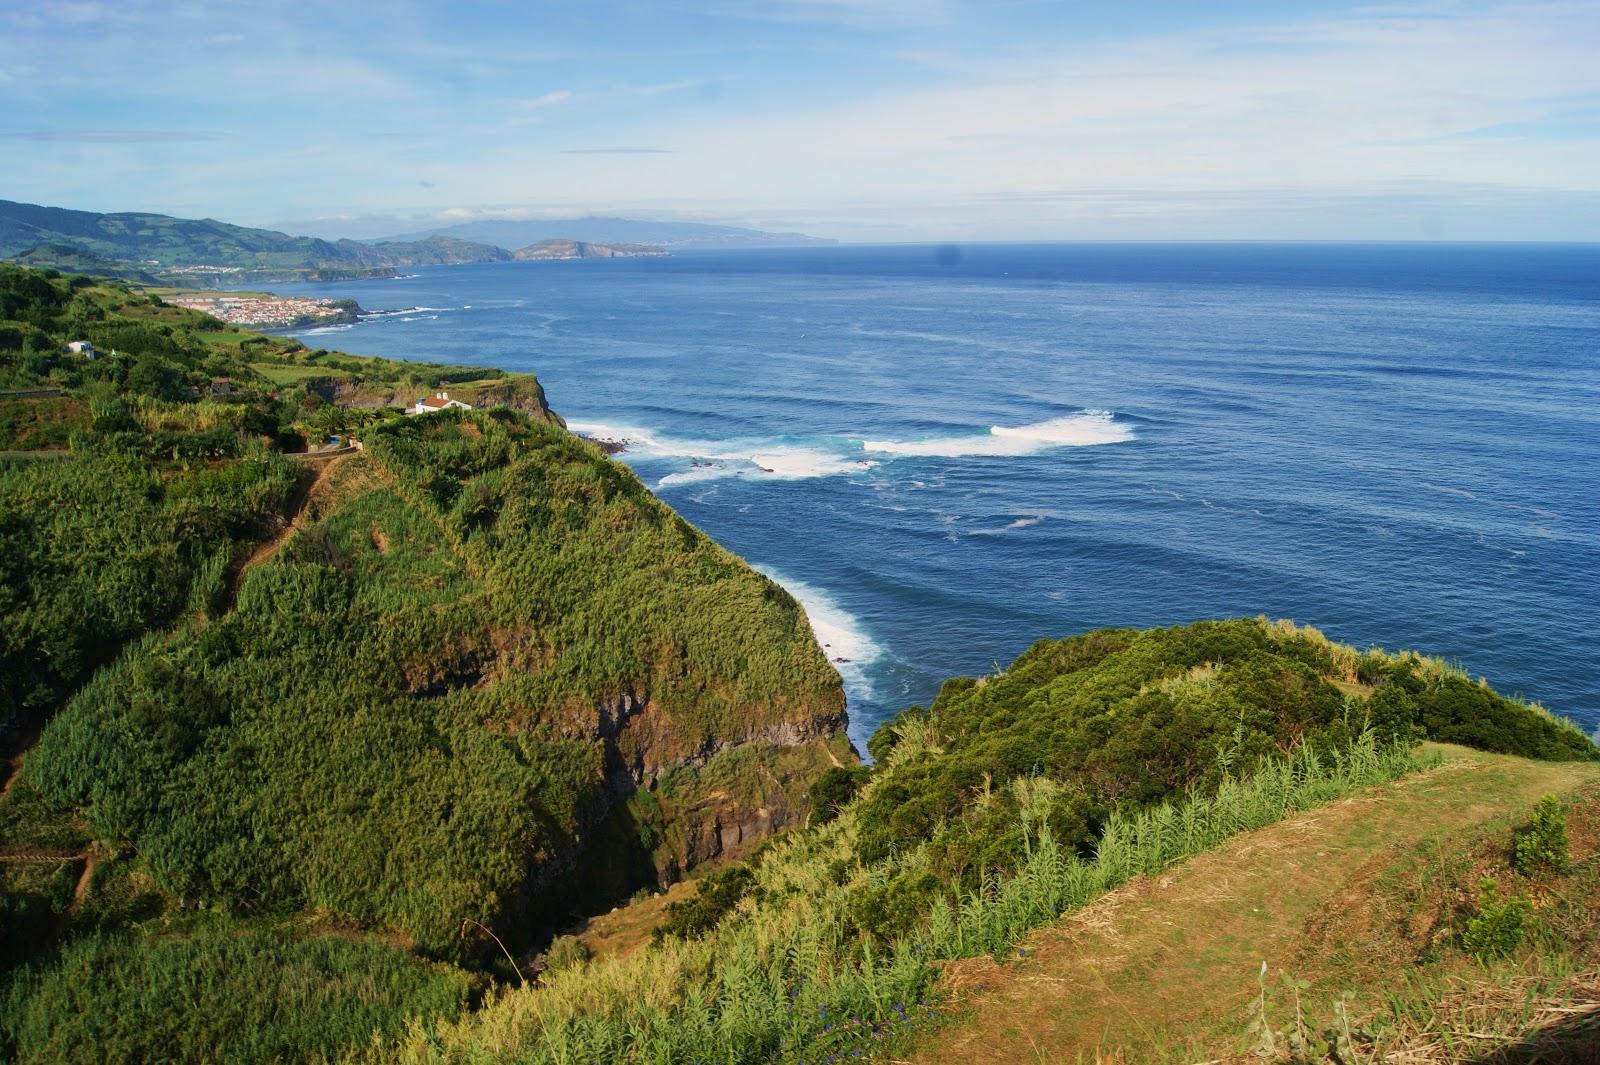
[(264, 309)]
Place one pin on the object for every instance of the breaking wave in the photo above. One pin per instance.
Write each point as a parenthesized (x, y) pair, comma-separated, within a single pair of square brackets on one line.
[(843, 638), (713, 460), (1084, 429)]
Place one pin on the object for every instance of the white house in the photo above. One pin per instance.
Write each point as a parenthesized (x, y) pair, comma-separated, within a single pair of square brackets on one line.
[(82, 347), (437, 401)]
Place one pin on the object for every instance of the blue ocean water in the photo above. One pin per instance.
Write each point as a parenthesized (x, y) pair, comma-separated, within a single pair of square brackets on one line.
[(950, 452)]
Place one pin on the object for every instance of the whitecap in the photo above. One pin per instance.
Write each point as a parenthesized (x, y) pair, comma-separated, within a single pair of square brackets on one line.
[(1084, 429), (713, 460), (844, 639)]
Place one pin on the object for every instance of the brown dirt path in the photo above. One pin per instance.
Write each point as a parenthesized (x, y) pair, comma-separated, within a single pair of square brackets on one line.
[(1161, 960), (13, 768), (299, 514)]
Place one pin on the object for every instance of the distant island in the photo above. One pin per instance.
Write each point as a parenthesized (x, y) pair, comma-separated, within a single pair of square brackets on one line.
[(158, 249), (582, 249)]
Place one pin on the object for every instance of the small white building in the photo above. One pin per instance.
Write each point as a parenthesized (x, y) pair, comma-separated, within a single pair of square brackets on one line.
[(84, 348), (437, 401)]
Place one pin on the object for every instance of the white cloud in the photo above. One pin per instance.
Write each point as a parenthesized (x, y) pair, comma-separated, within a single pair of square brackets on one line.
[(1356, 109), (549, 99), (1295, 126)]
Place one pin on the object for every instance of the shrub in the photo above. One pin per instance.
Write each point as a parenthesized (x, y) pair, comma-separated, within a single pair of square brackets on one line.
[(1498, 927), (564, 953), (1543, 844), (834, 789), (718, 893)]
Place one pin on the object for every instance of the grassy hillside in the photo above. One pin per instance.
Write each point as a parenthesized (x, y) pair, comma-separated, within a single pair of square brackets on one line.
[(159, 478), (307, 721), (1090, 762), (481, 642), (1131, 717)]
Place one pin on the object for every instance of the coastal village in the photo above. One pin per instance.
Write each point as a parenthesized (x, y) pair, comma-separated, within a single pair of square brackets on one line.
[(264, 309)]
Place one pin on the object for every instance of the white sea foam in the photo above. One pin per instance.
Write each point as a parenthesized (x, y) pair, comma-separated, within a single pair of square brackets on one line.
[(840, 633), (1084, 429), (323, 329), (714, 459)]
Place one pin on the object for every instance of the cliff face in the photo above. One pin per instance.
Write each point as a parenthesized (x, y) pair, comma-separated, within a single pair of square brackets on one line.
[(698, 796)]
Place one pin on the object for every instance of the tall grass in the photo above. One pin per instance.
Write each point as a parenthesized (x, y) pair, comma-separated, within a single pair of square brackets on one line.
[(786, 980)]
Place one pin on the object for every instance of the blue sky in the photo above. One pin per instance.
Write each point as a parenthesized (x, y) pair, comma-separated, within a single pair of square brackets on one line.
[(857, 119)]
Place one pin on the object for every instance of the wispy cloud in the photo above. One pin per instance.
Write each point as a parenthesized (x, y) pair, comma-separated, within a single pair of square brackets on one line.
[(113, 136), (549, 99), (870, 14), (616, 151)]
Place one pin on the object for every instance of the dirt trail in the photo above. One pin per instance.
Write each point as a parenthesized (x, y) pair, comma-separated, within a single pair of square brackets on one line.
[(299, 514), (81, 888), (13, 771), (1163, 958)]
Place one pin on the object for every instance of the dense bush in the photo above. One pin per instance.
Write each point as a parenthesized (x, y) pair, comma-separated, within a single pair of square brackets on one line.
[(221, 996), (95, 550), (715, 896), (834, 789), (1128, 717)]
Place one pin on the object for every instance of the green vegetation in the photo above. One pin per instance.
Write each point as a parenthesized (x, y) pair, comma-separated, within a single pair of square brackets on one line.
[(834, 789), (314, 720), (331, 744), (789, 981), (160, 482), (1543, 845), (223, 995), (1496, 930), (1126, 718), (401, 710), (716, 897)]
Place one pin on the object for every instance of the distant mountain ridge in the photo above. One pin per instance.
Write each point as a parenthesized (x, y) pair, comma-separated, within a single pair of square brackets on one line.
[(579, 249), (179, 249), (136, 245), (512, 233)]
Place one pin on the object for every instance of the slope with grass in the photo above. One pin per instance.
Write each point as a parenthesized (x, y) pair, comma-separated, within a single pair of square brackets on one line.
[(1165, 968), (312, 726), (1012, 800), (170, 461)]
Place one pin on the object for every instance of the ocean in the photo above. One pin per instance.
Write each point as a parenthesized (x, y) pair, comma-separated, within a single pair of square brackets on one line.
[(949, 452)]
